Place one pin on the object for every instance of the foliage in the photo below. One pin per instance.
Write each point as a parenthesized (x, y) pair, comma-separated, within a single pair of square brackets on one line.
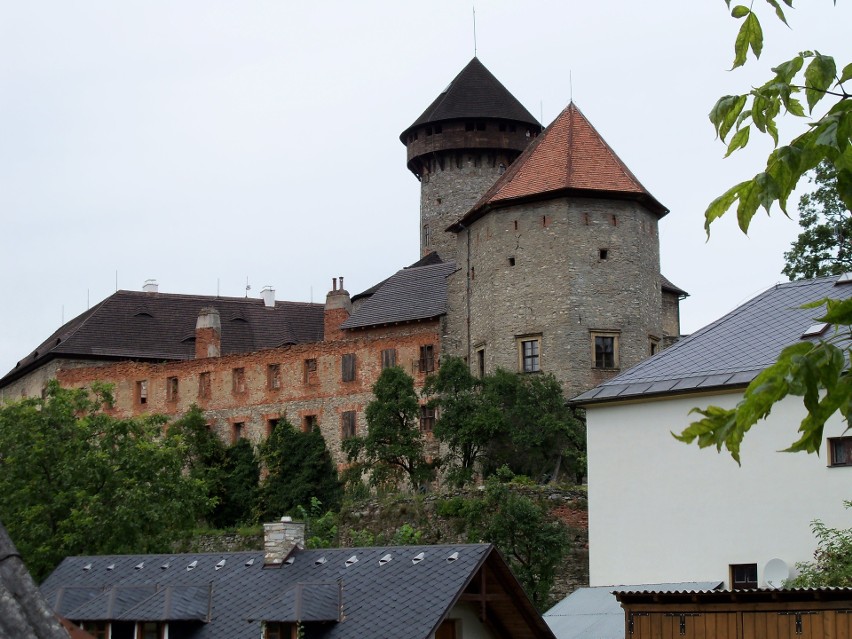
[(322, 526), (299, 470), (812, 371), (832, 564), (520, 421), (824, 247), (393, 447), (75, 480), (533, 542)]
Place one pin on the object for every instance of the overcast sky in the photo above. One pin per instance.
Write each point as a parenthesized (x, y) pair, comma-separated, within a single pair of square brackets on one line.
[(207, 143)]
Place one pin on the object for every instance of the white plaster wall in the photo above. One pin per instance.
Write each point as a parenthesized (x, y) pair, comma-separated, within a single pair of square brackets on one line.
[(471, 626), (662, 511)]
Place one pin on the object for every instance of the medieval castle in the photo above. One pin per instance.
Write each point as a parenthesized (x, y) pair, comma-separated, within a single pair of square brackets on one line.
[(539, 252)]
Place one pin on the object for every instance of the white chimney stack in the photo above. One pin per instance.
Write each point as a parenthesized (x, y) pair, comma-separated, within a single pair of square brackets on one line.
[(151, 286), (268, 295)]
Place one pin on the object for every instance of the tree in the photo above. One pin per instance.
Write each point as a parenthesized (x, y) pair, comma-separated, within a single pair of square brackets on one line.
[(393, 446), (813, 371), (533, 542), (300, 472), (466, 423), (75, 480), (824, 247), (832, 564)]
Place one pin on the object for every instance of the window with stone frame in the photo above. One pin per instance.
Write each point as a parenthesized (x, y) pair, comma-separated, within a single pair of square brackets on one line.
[(348, 427), (310, 423), (604, 349), (388, 358), (310, 371), (480, 362), (273, 376), (427, 358), (427, 419), (238, 381), (529, 353), (204, 386), (171, 389), (238, 431), (347, 367), (840, 451)]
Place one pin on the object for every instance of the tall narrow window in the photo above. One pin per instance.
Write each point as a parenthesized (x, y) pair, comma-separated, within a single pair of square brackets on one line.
[(605, 350), (426, 238), (238, 380), (347, 424), (529, 353), (480, 362), (273, 376), (172, 389), (142, 391), (271, 425), (237, 431), (310, 367), (204, 388), (310, 423), (427, 358), (427, 419), (348, 367), (388, 358)]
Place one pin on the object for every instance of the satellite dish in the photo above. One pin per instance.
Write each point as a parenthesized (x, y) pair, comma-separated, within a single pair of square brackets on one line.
[(776, 572)]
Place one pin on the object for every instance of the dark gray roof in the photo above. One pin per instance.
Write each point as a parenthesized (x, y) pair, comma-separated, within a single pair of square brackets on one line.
[(414, 293), (160, 326), (731, 351), (594, 613), (426, 260), (666, 285), (402, 598), (474, 93), (23, 610)]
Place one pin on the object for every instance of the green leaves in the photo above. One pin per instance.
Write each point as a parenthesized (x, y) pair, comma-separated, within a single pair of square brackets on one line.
[(818, 78), (750, 36)]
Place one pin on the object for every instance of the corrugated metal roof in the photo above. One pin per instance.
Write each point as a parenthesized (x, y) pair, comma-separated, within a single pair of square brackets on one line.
[(729, 352)]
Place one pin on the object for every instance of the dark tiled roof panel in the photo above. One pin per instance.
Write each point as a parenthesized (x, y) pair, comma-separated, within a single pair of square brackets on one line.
[(411, 294), (159, 326), (731, 351), (474, 93), (666, 285), (427, 260)]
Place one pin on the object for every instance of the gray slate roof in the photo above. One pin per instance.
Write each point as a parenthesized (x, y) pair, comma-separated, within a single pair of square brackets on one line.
[(160, 326), (474, 93), (399, 598), (594, 613), (414, 293), (731, 351)]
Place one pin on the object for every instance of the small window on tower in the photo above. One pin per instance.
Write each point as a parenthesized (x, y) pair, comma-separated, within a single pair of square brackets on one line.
[(238, 381), (348, 367), (427, 358), (310, 371), (172, 389), (204, 388), (605, 350), (388, 358), (273, 376), (310, 423), (603, 253), (348, 426), (427, 419), (529, 353), (427, 240), (142, 391)]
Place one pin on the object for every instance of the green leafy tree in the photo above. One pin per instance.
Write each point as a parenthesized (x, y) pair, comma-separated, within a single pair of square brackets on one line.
[(813, 371), (393, 447), (466, 423), (832, 564), (299, 470), (533, 542), (824, 247), (75, 480)]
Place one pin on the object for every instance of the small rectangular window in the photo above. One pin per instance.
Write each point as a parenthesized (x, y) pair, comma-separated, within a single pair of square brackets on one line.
[(271, 425), (743, 576), (348, 367), (171, 389), (388, 358), (238, 381), (427, 419), (347, 424), (237, 431), (529, 354), (142, 391), (310, 423), (204, 389), (840, 451), (426, 238), (310, 367), (273, 376), (427, 358), (653, 345), (480, 362), (605, 350)]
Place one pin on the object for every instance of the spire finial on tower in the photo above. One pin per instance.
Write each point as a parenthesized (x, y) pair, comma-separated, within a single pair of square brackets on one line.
[(474, 31)]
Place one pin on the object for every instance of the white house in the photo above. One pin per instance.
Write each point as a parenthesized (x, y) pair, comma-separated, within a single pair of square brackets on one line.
[(661, 510)]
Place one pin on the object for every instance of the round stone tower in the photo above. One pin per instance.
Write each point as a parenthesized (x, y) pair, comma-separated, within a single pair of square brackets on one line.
[(458, 148)]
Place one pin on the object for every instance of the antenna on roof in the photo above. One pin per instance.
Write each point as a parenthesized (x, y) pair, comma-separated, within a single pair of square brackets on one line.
[(87, 299), (116, 280), (217, 287), (62, 320), (570, 87), (474, 31), (248, 286)]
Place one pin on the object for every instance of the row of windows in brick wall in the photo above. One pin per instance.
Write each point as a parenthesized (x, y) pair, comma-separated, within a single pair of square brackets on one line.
[(348, 424), (604, 347), (425, 363)]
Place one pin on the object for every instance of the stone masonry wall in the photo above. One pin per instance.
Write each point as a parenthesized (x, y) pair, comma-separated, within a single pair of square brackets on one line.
[(558, 271), (241, 404), (32, 384)]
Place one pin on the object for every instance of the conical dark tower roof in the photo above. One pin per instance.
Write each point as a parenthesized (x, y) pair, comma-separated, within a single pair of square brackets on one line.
[(474, 93)]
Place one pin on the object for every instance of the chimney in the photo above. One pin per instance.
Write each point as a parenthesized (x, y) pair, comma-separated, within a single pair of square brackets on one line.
[(338, 306), (268, 295), (280, 539), (208, 333), (151, 286)]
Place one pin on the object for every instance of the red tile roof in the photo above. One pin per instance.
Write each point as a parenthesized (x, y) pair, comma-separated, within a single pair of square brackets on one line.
[(570, 156)]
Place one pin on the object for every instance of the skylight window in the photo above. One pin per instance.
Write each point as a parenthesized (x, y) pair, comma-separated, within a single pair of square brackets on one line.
[(418, 557), (220, 565), (815, 329), (385, 559), (352, 560)]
